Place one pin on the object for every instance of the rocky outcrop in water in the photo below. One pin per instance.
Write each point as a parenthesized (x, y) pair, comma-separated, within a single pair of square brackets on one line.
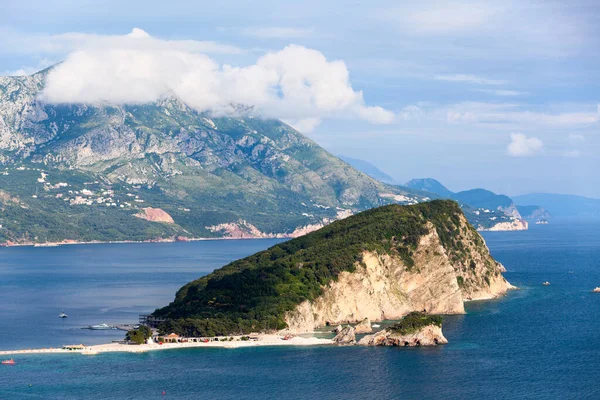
[(430, 335), (364, 326), (346, 337)]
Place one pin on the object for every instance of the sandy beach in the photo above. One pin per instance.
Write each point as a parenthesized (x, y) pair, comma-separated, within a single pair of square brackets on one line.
[(263, 340)]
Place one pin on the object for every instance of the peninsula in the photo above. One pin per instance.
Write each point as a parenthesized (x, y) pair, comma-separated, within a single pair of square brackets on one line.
[(381, 264)]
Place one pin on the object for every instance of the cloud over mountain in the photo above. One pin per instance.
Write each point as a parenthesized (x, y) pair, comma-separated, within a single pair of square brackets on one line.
[(522, 146), (294, 83)]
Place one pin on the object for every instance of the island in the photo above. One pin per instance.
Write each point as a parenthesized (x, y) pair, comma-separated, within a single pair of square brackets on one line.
[(408, 264), (380, 264)]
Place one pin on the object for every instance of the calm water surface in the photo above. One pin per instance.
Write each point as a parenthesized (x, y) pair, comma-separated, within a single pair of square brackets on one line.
[(537, 343)]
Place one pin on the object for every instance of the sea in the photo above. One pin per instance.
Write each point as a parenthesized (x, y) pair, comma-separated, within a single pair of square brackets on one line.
[(538, 342)]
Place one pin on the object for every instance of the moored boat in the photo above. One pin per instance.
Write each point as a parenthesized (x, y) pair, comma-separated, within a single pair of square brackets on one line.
[(101, 327), (8, 362)]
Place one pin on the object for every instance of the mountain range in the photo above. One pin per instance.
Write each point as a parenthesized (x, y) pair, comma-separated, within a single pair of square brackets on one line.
[(563, 205), (484, 209), (86, 172)]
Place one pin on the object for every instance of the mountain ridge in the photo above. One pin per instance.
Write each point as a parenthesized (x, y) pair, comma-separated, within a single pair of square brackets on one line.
[(485, 209), (91, 162)]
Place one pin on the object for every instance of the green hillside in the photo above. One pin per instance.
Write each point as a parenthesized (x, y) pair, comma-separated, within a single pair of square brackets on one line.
[(254, 293), (215, 176)]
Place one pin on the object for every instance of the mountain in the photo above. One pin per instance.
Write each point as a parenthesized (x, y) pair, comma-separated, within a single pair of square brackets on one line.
[(379, 264), (430, 185), (369, 169), (485, 209), (163, 170), (534, 213), (563, 205)]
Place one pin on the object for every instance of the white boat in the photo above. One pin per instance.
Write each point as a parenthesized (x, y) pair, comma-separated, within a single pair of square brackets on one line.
[(546, 283), (375, 326), (62, 315), (101, 327)]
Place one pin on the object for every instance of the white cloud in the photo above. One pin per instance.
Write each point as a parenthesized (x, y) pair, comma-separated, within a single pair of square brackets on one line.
[(501, 92), (469, 79), (410, 113), (278, 32), (294, 83), (138, 39), (304, 125), (508, 113), (522, 146), (44, 63), (436, 17)]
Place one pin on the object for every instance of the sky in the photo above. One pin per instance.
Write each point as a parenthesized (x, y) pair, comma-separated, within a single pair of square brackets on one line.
[(503, 95)]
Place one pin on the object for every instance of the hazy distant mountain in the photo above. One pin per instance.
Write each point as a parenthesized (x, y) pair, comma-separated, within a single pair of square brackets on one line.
[(481, 198), (430, 185), (534, 213), (483, 208), (134, 172), (563, 205), (368, 168)]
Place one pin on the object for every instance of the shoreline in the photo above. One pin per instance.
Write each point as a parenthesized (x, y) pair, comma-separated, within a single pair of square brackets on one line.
[(263, 340), (168, 240)]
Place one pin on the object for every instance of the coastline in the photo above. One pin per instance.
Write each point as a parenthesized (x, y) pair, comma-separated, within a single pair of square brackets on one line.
[(263, 340), (167, 240)]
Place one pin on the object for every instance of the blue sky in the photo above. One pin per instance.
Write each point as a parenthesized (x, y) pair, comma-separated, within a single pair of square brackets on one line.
[(501, 95)]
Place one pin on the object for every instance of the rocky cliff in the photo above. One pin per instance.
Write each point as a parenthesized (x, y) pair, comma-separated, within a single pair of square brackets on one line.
[(383, 286), (513, 225), (379, 264)]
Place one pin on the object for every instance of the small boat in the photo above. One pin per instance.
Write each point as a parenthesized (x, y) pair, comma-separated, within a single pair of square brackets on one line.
[(596, 290), (62, 315), (375, 326), (101, 327), (546, 283), (8, 362)]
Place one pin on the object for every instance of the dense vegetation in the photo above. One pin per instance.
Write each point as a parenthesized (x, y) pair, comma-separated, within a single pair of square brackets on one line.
[(414, 321), (254, 293), (139, 335)]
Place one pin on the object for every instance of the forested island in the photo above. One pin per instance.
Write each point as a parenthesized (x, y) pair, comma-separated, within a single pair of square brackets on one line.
[(380, 264)]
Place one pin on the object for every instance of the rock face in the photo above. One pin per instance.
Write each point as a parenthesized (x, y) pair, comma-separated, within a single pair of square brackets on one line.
[(384, 287), (514, 225), (430, 335), (364, 326), (346, 337), (155, 215)]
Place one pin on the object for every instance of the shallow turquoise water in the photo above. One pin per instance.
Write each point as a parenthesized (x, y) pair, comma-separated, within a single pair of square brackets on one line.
[(537, 343)]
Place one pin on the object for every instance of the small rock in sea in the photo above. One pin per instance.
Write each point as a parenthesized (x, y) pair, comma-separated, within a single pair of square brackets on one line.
[(337, 329), (345, 337), (364, 326)]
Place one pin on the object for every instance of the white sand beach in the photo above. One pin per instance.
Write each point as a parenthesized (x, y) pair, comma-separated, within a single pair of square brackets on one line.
[(263, 340)]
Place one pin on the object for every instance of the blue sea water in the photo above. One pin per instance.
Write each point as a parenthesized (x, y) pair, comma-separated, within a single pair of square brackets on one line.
[(539, 342)]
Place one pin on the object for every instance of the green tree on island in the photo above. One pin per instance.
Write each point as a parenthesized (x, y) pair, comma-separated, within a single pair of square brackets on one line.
[(140, 335)]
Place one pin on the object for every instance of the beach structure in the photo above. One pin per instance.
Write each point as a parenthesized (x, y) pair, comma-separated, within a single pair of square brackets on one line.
[(172, 338), (150, 320)]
